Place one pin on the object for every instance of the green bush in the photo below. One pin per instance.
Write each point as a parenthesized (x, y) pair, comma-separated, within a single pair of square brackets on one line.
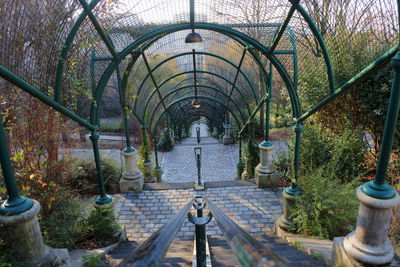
[(165, 143), (327, 207), (91, 260), (65, 226), (251, 152), (348, 154), (341, 153), (144, 150), (85, 179), (111, 124), (102, 223), (73, 222), (282, 165)]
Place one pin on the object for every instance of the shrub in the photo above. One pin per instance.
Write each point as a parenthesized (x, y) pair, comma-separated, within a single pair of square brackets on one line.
[(165, 143), (326, 208), (65, 226), (144, 150), (85, 179), (282, 165), (348, 154), (251, 152), (111, 124), (102, 223), (341, 153), (91, 260)]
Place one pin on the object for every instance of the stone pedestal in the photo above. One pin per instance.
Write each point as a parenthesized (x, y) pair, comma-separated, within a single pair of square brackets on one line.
[(227, 140), (214, 132), (368, 244), (264, 172), (132, 178), (288, 205), (27, 240), (148, 176)]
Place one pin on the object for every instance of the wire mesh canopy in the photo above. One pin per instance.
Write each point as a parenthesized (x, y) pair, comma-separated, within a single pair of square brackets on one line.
[(140, 46)]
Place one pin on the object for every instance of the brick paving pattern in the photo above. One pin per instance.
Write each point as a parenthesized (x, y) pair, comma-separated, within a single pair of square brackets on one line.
[(218, 161), (144, 213)]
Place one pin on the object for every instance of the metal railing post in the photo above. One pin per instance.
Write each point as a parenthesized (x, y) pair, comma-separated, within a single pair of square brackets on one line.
[(103, 198), (379, 188), (200, 230), (15, 204)]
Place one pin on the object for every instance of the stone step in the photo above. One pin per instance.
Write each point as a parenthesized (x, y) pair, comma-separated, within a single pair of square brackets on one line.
[(222, 255), (118, 254), (180, 253), (189, 185)]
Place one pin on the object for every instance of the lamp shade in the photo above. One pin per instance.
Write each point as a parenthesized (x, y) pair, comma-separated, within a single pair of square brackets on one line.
[(197, 151), (194, 41), (196, 103)]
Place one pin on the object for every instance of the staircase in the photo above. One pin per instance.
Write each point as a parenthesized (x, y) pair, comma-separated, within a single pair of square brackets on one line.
[(180, 253), (251, 208)]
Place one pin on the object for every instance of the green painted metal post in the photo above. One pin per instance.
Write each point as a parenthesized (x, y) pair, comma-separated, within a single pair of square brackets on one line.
[(239, 165), (266, 142), (103, 198), (293, 189), (15, 204), (155, 153), (379, 188), (200, 236)]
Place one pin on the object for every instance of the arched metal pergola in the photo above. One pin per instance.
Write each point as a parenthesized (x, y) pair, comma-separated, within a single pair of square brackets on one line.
[(142, 47)]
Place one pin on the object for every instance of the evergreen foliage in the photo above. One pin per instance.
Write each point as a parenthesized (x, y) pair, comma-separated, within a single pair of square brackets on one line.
[(326, 207), (144, 150), (165, 143), (251, 152)]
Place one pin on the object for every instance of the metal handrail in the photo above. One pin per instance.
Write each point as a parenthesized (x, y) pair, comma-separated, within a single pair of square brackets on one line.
[(247, 249), (152, 251)]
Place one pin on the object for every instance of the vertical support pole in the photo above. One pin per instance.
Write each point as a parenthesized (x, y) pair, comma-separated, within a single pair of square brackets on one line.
[(103, 198), (378, 188), (293, 189), (129, 147), (200, 235), (156, 153), (239, 165), (15, 204), (198, 170), (267, 107)]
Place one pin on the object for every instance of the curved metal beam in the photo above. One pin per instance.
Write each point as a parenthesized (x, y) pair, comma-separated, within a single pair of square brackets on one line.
[(184, 26), (66, 47), (152, 114), (199, 97), (199, 53), (187, 72), (200, 85)]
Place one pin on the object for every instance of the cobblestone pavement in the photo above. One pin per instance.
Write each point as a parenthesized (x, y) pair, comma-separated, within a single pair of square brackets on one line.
[(218, 160), (142, 214)]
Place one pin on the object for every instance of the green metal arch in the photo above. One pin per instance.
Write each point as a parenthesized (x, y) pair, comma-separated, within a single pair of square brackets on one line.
[(66, 47), (187, 72), (199, 53), (321, 42), (152, 114), (200, 85), (190, 97), (208, 115), (173, 28), (188, 105)]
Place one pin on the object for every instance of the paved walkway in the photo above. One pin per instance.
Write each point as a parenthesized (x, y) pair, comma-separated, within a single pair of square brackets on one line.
[(218, 161), (144, 213)]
